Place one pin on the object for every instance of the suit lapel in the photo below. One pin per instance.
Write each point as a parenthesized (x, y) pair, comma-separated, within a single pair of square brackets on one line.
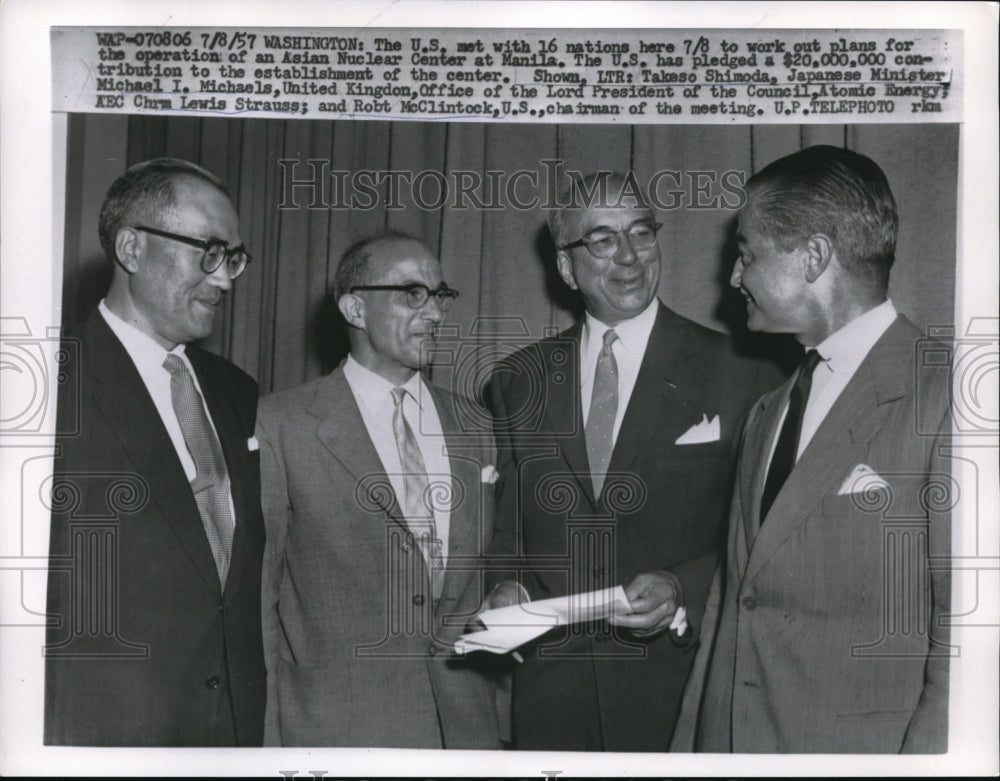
[(121, 395), (658, 381), (837, 446), (754, 457), (463, 524), (564, 413), (341, 430)]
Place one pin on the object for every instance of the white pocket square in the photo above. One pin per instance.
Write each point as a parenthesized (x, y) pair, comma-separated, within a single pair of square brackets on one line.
[(253, 444), (706, 431), (862, 478), (489, 475)]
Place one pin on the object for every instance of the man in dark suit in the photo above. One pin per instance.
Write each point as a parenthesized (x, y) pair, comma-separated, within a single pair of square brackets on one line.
[(157, 537), (615, 442), (829, 609), (378, 503)]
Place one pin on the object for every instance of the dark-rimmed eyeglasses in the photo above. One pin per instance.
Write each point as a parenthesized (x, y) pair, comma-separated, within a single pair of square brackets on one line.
[(215, 252), (417, 293), (604, 242)]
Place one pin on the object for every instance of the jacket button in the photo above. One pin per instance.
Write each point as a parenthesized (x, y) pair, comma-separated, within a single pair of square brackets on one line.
[(407, 547), (598, 571), (213, 682), (418, 600), (432, 649), (749, 603)]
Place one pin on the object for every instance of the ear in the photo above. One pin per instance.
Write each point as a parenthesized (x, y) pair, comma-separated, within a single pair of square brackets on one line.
[(352, 307), (128, 248), (565, 266), (819, 252)]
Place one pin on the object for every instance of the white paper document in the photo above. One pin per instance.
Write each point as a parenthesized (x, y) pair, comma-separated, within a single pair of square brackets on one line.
[(510, 627)]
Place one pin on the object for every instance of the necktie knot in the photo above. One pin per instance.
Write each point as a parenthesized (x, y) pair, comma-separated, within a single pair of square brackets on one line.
[(173, 364), (398, 395), (610, 337), (810, 362)]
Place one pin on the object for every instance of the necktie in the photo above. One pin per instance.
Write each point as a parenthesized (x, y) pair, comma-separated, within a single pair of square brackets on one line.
[(603, 408), (416, 495), (788, 440), (211, 483)]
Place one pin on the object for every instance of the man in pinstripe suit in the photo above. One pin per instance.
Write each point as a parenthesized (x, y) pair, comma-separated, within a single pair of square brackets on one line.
[(829, 612)]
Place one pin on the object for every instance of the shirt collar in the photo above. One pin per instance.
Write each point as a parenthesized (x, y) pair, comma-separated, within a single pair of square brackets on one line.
[(146, 353), (376, 389), (846, 348), (633, 334)]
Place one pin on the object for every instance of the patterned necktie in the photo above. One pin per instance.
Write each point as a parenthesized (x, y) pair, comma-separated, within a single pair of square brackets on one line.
[(786, 450), (603, 408), (211, 483), (416, 493)]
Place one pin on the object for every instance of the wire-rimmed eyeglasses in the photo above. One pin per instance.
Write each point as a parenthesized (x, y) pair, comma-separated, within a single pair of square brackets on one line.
[(417, 293), (215, 252), (604, 242)]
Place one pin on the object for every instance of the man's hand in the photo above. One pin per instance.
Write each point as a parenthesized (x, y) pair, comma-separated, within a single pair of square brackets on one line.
[(655, 598), (503, 594)]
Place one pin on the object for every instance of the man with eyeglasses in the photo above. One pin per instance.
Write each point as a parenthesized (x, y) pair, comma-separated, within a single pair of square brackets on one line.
[(378, 502), (157, 535), (638, 431)]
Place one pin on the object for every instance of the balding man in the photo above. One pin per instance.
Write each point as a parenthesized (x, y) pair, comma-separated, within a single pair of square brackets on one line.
[(377, 506), (616, 442)]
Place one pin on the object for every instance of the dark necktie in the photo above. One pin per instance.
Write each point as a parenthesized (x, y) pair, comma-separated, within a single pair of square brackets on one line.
[(788, 440), (416, 494), (211, 483), (603, 408)]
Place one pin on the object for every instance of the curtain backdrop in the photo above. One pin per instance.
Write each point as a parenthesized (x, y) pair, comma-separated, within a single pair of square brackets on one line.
[(278, 324)]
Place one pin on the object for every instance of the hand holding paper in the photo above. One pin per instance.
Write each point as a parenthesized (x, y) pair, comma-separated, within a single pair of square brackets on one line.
[(652, 609), (508, 628), (655, 599)]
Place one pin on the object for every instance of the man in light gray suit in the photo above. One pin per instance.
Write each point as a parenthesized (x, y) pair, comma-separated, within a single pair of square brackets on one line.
[(830, 610), (377, 507)]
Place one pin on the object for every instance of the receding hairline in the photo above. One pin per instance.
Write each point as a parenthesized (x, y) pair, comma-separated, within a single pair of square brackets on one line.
[(384, 243), (570, 208)]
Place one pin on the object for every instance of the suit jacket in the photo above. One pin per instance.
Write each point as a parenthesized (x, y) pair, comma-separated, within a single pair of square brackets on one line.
[(143, 647), (663, 507), (357, 652), (829, 636)]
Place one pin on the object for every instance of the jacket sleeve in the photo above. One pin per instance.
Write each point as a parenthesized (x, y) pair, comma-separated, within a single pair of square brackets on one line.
[(503, 548), (927, 732), (275, 504), (687, 722)]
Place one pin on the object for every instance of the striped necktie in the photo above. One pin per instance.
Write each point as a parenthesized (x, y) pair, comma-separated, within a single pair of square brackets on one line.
[(417, 505)]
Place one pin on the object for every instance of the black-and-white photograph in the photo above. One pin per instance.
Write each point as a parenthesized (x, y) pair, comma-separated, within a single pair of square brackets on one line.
[(622, 396)]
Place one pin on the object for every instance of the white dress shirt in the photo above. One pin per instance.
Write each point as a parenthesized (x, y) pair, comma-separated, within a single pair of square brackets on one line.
[(148, 357), (629, 348), (373, 394), (841, 353)]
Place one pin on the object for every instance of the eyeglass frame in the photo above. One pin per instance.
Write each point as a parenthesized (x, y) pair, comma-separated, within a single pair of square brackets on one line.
[(584, 242), (205, 245), (449, 293)]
